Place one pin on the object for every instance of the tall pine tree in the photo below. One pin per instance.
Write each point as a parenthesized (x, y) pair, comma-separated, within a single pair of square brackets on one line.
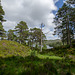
[(22, 31), (2, 31), (65, 23)]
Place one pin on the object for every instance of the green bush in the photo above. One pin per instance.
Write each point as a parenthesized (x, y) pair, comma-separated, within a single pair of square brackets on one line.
[(33, 53), (50, 67), (44, 46)]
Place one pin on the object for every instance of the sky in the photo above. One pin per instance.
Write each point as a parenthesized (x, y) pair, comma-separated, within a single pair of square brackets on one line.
[(33, 12)]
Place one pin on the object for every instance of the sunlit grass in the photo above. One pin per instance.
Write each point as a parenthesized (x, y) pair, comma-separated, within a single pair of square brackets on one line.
[(47, 56)]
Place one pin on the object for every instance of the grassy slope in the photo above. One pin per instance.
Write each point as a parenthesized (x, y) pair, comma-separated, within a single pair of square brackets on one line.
[(10, 48)]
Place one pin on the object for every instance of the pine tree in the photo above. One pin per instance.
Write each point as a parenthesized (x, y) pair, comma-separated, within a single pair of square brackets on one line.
[(35, 36), (22, 31), (64, 23), (11, 35), (2, 31)]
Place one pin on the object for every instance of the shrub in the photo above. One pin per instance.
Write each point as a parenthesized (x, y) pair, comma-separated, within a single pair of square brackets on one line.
[(44, 46), (33, 53), (50, 67)]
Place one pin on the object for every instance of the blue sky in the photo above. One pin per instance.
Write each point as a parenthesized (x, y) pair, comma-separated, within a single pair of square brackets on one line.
[(58, 4)]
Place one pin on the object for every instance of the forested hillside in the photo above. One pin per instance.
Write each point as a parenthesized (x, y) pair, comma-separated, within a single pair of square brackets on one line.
[(54, 43)]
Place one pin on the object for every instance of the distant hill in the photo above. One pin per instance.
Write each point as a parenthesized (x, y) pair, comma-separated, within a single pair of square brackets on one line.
[(53, 43), (11, 48)]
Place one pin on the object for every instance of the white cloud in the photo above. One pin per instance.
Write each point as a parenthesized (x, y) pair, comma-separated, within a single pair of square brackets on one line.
[(9, 25), (56, 1), (33, 12)]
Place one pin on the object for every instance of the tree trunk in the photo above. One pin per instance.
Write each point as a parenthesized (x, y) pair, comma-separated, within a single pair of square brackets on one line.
[(63, 37), (68, 30), (63, 43), (32, 44), (41, 39), (36, 43), (67, 34)]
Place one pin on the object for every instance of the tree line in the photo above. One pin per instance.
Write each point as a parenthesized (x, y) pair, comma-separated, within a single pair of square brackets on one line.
[(65, 22), (23, 34)]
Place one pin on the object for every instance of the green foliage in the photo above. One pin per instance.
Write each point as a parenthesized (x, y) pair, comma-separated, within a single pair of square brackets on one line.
[(65, 23), (22, 32), (36, 46), (51, 54), (1, 14), (11, 36), (35, 36), (32, 66), (64, 50), (33, 53), (2, 31), (44, 46)]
